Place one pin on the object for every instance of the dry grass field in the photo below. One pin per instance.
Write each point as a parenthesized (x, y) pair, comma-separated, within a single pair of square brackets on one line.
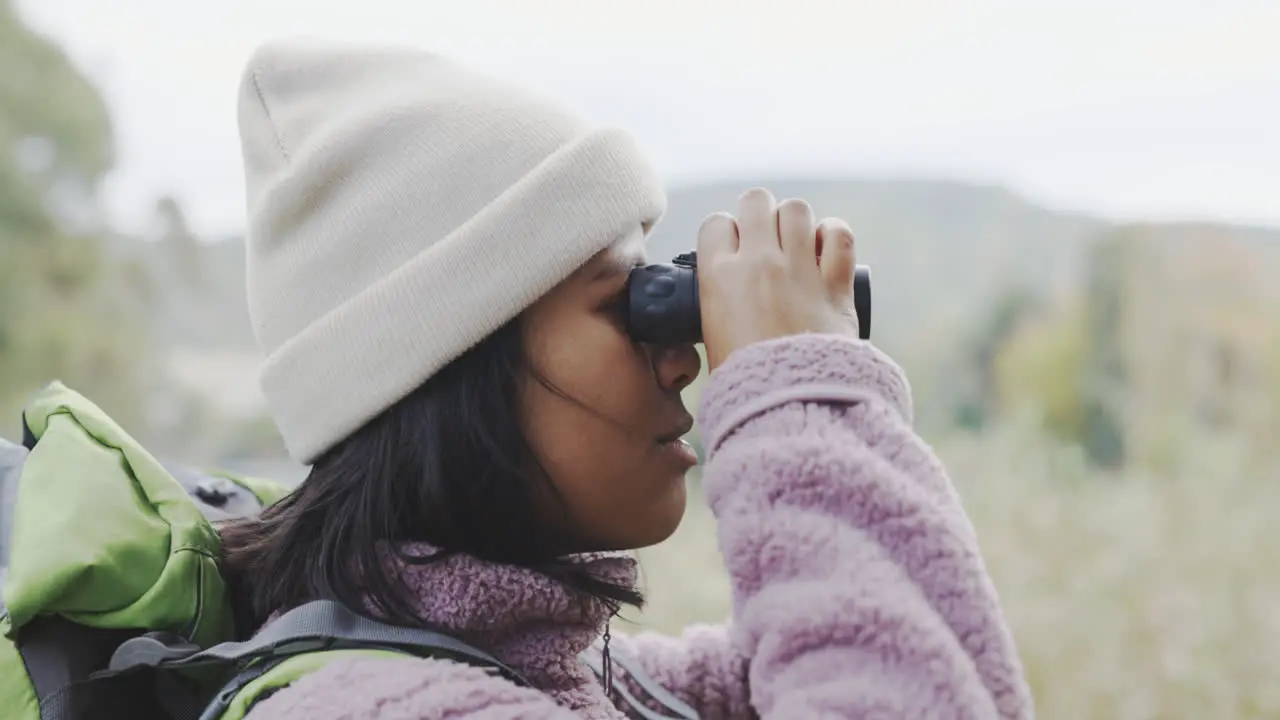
[(1131, 597)]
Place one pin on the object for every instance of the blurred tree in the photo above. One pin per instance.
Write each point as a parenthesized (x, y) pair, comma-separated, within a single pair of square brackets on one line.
[(60, 299), (180, 246), (974, 386), (1111, 261), (1040, 369), (1010, 311), (1069, 367), (1170, 343)]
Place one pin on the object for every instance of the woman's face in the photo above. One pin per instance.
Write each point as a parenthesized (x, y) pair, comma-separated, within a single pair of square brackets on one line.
[(609, 446)]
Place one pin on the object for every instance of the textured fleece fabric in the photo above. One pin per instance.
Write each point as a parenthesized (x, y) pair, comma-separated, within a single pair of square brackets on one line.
[(858, 588)]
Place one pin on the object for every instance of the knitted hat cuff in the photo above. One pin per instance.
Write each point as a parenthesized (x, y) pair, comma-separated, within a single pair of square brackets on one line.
[(389, 338)]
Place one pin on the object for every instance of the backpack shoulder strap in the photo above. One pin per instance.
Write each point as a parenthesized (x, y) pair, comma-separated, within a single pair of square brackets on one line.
[(315, 626), (259, 681), (311, 635), (296, 643)]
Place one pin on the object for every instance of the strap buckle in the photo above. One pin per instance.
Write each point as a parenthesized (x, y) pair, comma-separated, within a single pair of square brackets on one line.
[(152, 649)]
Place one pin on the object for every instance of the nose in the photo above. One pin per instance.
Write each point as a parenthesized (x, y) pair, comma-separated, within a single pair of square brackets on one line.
[(676, 366)]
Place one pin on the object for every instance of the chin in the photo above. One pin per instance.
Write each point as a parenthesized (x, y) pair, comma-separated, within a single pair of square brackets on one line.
[(666, 516), (657, 521)]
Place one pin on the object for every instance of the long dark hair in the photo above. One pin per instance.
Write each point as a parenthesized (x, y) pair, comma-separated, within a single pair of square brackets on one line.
[(448, 465)]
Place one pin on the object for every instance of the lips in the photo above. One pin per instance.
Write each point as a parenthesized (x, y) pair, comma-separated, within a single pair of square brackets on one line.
[(685, 425)]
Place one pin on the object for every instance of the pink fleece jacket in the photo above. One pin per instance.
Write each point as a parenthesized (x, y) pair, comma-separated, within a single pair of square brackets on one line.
[(858, 587)]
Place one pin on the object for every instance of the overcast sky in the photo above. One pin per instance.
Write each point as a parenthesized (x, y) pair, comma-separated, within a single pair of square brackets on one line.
[(1129, 108)]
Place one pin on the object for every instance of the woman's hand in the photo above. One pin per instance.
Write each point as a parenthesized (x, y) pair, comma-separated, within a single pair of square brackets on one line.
[(770, 273)]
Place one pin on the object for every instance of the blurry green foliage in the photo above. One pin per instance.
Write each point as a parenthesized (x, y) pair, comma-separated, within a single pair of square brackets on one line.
[(64, 312)]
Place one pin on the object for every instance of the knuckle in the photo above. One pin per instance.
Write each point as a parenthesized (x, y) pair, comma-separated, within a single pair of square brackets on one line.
[(716, 263), (770, 268), (722, 265)]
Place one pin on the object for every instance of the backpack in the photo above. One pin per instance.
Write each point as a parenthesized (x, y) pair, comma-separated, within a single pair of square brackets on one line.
[(112, 605)]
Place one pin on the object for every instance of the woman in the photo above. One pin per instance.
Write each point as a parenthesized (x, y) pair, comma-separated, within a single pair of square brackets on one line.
[(435, 273)]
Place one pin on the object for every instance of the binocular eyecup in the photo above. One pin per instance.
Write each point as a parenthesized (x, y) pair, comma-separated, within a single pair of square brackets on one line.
[(663, 307)]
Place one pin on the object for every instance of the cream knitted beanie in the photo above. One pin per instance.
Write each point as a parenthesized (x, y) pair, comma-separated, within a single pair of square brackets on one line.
[(401, 208)]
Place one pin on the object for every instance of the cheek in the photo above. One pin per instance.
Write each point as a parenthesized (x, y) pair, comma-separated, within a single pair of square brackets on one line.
[(610, 389), (593, 444), (592, 361)]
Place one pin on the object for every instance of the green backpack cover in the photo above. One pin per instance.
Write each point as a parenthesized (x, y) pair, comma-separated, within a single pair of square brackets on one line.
[(111, 601), (100, 542)]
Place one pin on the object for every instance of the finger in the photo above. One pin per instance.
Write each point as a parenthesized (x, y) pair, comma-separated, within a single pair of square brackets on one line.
[(838, 257), (758, 222), (797, 233), (717, 237)]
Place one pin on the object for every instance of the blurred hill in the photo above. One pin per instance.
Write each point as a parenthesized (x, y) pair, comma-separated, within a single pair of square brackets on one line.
[(971, 240), (919, 237), (944, 257), (995, 305), (940, 251)]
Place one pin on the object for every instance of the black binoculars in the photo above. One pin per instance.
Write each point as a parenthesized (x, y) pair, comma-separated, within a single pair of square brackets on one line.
[(663, 308)]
